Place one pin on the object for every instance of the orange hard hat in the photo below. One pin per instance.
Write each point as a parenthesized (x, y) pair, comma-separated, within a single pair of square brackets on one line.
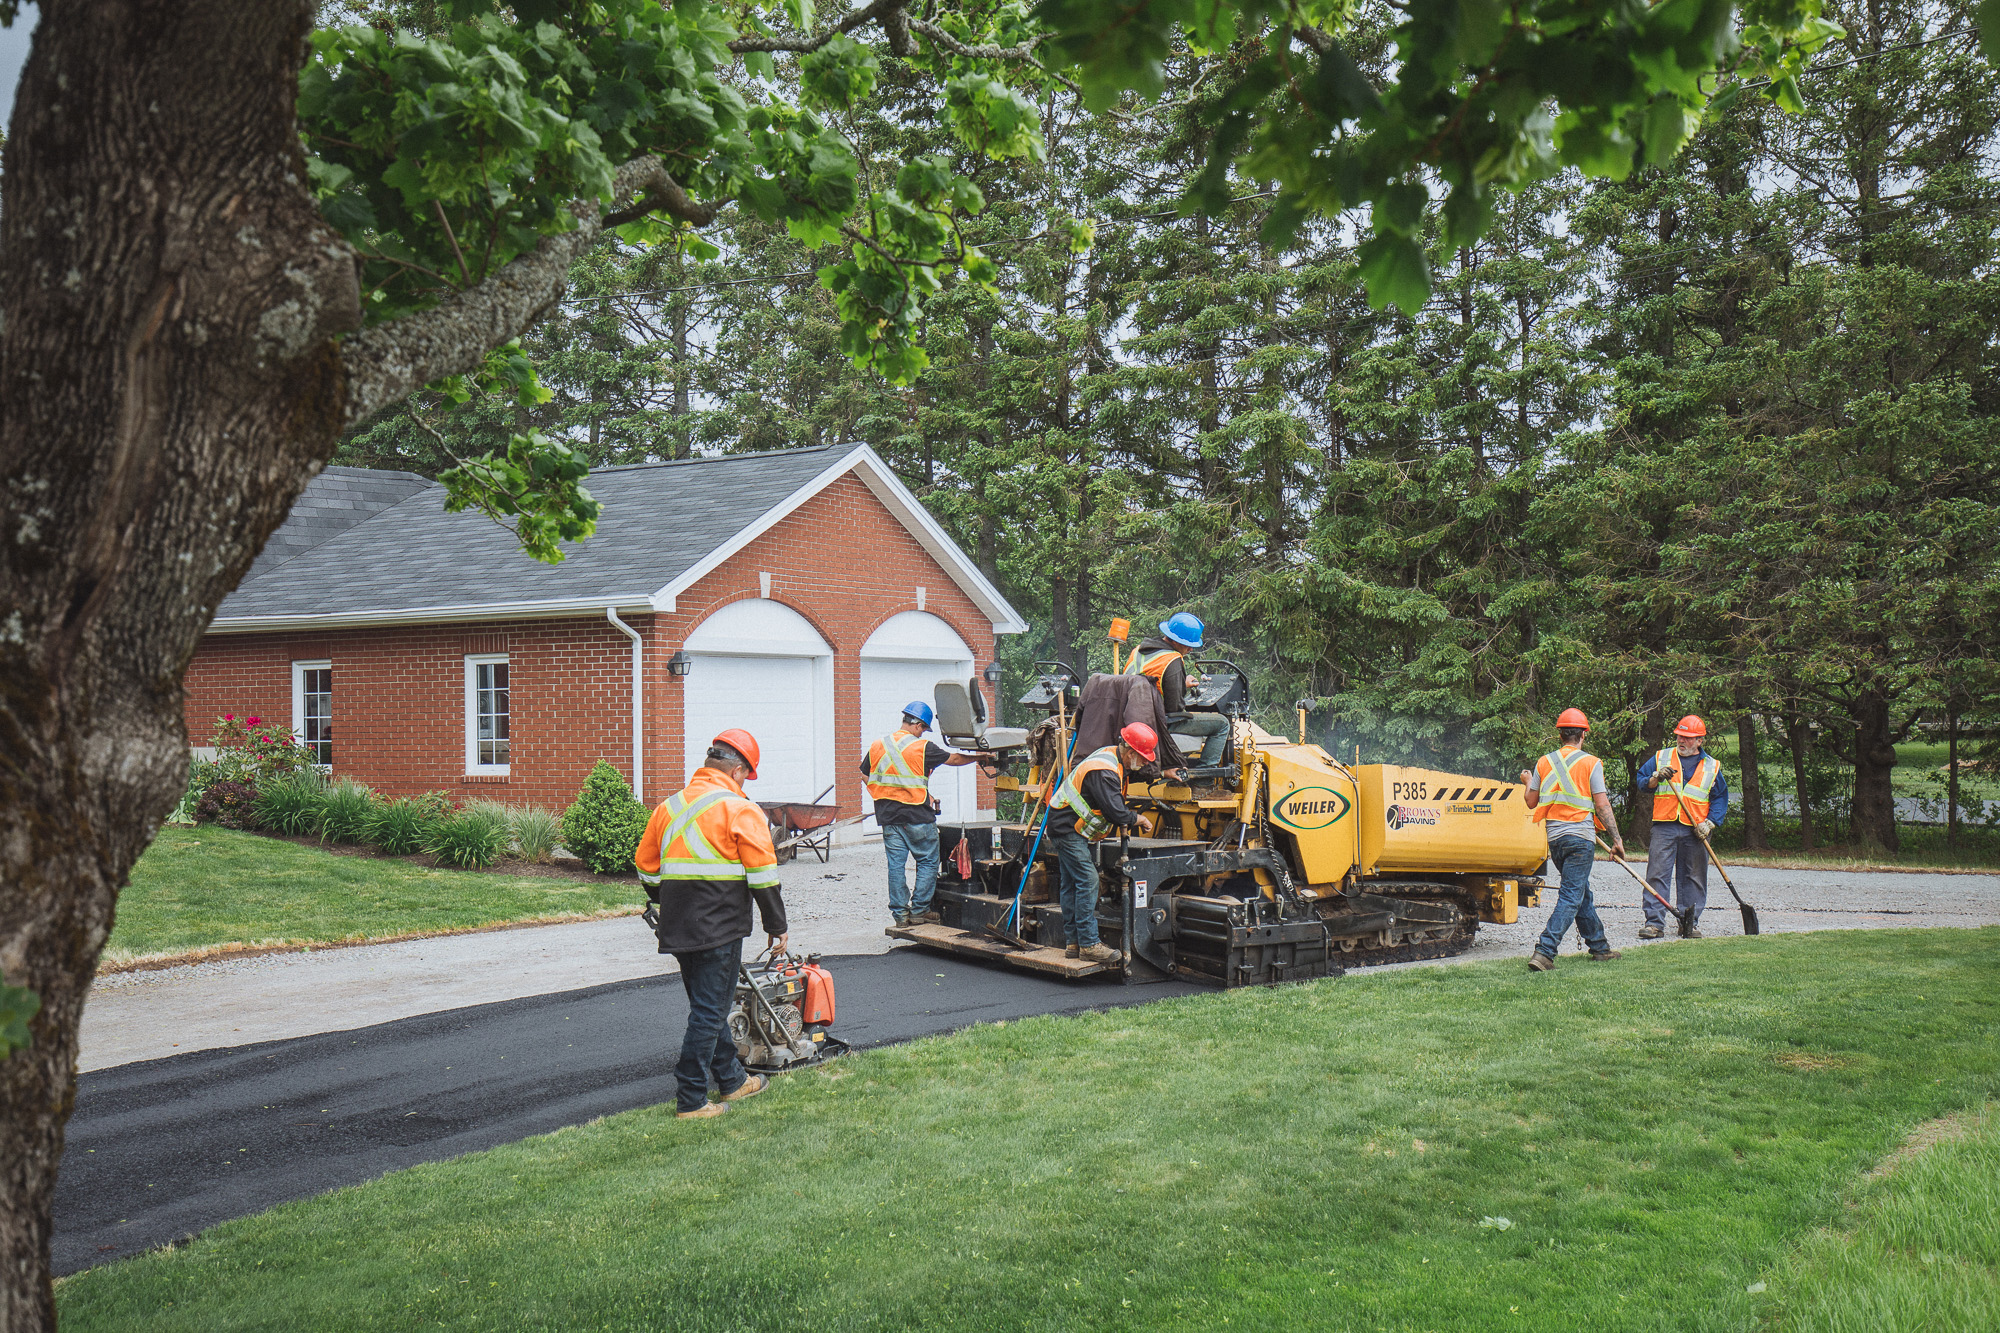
[(743, 743), (1573, 717), (1691, 726), (1141, 738)]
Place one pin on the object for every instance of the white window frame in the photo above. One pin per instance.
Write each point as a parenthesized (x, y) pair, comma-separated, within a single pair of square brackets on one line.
[(473, 768), (299, 670)]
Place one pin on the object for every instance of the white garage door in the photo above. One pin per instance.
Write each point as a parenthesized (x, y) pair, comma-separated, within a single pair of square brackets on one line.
[(761, 666), (903, 660)]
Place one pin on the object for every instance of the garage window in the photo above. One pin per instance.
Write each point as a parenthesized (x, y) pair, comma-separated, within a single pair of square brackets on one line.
[(487, 708)]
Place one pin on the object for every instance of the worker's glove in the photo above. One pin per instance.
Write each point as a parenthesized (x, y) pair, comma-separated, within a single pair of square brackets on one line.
[(1704, 828)]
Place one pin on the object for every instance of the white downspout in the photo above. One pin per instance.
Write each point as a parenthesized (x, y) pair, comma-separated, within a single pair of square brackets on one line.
[(638, 702)]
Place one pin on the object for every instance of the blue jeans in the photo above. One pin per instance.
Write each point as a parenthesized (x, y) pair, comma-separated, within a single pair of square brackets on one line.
[(1077, 859), (708, 1052), (900, 842), (1213, 728), (1573, 858), (1677, 868)]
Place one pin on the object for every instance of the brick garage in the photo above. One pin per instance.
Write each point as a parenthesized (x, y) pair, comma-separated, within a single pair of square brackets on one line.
[(401, 602)]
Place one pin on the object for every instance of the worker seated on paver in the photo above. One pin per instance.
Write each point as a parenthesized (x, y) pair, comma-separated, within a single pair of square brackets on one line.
[(1163, 661)]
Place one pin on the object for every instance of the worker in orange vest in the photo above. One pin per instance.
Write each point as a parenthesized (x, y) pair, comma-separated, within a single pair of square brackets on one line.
[(705, 854), (898, 768), (1690, 797), (1566, 792), (1164, 662)]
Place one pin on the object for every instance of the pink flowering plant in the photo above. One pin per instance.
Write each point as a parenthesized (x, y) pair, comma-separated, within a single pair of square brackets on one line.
[(255, 750)]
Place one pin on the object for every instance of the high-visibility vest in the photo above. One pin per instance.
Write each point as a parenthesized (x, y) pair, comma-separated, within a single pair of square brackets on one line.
[(1673, 793), (896, 769), (1564, 785), (1153, 664), (1089, 822), (708, 830)]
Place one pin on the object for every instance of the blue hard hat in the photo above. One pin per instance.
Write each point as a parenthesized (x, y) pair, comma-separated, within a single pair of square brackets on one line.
[(1183, 629), (917, 708)]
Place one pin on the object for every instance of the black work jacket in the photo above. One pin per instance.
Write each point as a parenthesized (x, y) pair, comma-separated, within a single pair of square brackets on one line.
[(697, 914)]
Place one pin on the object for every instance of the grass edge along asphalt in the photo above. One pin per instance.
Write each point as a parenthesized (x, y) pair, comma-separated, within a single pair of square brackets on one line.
[(210, 892), (1626, 1146)]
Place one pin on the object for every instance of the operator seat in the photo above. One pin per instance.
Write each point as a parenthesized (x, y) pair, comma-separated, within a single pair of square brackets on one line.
[(961, 719)]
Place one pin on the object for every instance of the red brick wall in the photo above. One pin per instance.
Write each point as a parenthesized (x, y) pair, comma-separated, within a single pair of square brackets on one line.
[(841, 560)]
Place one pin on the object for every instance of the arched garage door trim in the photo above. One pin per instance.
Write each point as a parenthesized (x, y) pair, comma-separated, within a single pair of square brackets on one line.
[(760, 665), (904, 659)]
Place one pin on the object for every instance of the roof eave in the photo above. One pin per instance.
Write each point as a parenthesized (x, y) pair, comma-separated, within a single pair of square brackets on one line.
[(639, 603)]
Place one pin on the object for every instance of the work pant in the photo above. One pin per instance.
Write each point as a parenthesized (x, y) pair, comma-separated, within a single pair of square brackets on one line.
[(1213, 728), (1675, 858), (1078, 860), (1573, 859), (900, 842), (708, 1052)]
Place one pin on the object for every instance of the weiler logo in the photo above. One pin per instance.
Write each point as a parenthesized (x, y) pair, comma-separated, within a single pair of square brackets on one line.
[(1402, 816), (1311, 808)]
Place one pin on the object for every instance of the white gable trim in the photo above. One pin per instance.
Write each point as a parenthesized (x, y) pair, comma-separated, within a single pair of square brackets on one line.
[(877, 476)]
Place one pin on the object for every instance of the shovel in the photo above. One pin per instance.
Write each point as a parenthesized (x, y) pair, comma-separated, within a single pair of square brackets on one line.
[(1749, 912), (1684, 920)]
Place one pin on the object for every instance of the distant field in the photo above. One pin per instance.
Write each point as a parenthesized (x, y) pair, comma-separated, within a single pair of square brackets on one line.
[(1669, 1142)]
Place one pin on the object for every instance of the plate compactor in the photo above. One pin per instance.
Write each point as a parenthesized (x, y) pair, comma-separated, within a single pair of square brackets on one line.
[(1279, 864), (781, 1013)]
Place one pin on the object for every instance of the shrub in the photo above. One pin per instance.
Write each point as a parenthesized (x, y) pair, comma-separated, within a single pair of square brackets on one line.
[(536, 833), (251, 750), (403, 828), (201, 772), (469, 839), (602, 826), (349, 812), (228, 802), (294, 803)]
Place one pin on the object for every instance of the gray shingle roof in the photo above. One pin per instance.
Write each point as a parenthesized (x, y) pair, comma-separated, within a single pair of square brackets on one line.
[(659, 520), (334, 501)]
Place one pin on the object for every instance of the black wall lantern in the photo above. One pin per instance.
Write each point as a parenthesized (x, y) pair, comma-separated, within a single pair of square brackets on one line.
[(992, 673), (679, 664)]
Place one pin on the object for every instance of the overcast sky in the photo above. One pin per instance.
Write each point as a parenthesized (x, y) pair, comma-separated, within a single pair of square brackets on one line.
[(14, 50)]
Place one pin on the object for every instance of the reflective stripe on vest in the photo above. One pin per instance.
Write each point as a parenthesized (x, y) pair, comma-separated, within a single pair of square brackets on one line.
[(696, 858), (1565, 787), (1673, 793), (896, 772), (1153, 664), (1089, 822)]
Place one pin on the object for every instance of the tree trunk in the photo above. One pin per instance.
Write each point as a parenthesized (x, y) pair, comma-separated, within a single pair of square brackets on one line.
[(1795, 734), (1754, 837), (168, 383), (1951, 779), (1874, 771), (1059, 630)]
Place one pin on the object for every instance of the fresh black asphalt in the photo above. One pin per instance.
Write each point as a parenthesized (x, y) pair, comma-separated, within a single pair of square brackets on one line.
[(159, 1150)]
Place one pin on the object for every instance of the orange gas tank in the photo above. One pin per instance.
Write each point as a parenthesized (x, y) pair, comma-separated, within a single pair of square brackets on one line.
[(818, 1005)]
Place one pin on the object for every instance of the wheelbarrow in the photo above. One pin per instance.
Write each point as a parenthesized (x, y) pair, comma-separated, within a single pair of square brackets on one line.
[(807, 824)]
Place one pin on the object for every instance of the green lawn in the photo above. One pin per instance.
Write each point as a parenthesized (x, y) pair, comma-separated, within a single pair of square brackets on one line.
[(198, 888), (1660, 1135)]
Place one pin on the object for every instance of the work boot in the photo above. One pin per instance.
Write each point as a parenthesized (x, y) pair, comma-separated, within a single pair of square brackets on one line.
[(1070, 951), (1098, 953), (1541, 962), (1604, 957), (750, 1087), (1694, 932), (706, 1112), (927, 919), (902, 919), (1650, 932)]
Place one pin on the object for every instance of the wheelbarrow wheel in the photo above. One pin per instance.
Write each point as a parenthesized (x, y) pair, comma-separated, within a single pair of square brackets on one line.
[(787, 854)]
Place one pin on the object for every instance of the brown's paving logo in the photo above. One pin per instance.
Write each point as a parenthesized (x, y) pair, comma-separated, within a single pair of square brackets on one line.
[(1402, 816)]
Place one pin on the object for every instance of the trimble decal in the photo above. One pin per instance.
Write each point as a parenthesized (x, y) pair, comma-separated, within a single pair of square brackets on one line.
[(1482, 808), (1402, 816), (1310, 808)]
